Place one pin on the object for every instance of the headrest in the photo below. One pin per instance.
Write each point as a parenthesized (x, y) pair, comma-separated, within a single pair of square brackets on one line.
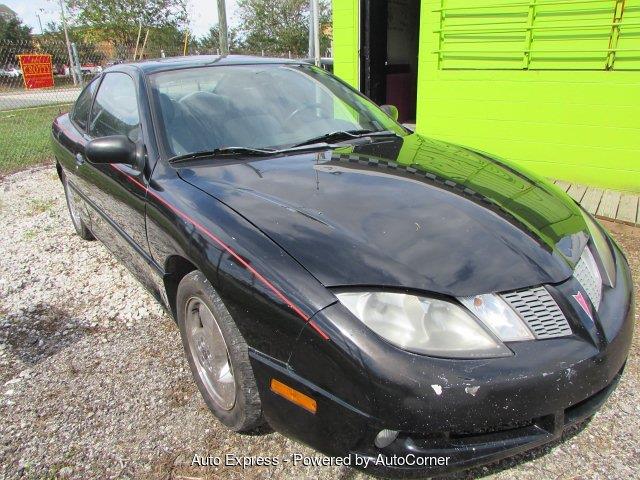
[(206, 103)]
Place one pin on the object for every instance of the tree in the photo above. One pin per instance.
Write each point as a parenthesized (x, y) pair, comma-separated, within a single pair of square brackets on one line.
[(52, 41), (117, 21), (12, 30), (280, 26), (15, 38), (211, 41)]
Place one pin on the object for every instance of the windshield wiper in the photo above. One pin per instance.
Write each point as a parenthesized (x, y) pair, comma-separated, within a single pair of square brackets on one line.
[(247, 151), (256, 152), (346, 135), (320, 141)]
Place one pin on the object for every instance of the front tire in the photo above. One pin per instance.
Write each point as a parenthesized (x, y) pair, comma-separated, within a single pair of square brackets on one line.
[(72, 204), (217, 354)]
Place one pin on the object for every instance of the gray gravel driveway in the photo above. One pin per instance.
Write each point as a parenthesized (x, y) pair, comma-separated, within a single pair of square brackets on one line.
[(94, 384)]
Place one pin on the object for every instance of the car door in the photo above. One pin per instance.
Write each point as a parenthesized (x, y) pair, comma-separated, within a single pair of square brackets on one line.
[(116, 193), (70, 133)]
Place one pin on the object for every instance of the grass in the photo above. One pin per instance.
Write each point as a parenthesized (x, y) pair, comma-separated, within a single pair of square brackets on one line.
[(24, 137), (40, 206)]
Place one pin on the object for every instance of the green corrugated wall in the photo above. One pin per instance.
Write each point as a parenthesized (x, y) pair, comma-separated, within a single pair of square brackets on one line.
[(542, 99), (346, 43)]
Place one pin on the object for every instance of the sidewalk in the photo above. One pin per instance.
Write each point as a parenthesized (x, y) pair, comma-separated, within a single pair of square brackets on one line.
[(607, 204), (37, 98)]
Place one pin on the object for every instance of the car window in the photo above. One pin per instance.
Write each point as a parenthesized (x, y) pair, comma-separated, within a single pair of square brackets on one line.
[(115, 110), (82, 106), (257, 106)]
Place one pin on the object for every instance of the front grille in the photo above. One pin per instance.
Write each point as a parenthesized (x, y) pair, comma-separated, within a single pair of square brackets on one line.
[(587, 274), (491, 429), (540, 311)]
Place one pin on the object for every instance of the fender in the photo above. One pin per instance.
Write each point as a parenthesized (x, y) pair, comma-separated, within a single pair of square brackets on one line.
[(222, 244)]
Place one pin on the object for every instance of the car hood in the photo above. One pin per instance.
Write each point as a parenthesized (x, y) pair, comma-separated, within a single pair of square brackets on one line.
[(411, 213)]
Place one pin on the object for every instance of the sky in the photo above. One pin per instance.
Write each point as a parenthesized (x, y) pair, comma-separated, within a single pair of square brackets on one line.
[(202, 13)]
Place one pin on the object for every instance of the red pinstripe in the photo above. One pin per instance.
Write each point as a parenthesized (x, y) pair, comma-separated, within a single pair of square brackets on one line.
[(229, 250)]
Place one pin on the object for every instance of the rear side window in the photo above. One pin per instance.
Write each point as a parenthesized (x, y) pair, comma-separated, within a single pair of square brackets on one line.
[(81, 109), (115, 109)]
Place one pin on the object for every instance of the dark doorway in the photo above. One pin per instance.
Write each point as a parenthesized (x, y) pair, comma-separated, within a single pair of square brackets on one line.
[(389, 53)]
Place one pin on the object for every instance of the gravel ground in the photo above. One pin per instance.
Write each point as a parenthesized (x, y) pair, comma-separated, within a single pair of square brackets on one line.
[(94, 384)]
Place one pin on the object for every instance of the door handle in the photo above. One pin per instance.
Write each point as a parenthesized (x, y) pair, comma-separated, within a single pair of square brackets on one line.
[(79, 159)]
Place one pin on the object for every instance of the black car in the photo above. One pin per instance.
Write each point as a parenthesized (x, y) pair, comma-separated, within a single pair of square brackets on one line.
[(411, 305)]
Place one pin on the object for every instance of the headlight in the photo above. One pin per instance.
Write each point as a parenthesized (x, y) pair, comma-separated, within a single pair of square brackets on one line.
[(603, 248), (423, 325), (496, 314)]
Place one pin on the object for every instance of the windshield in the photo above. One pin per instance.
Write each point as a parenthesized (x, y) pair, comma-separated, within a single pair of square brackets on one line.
[(258, 106)]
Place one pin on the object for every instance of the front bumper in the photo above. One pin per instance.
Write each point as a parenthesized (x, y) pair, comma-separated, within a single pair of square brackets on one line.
[(451, 414), (412, 455)]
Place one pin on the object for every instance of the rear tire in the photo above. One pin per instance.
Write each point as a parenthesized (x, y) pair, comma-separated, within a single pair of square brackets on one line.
[(217, 354), (72, 204)]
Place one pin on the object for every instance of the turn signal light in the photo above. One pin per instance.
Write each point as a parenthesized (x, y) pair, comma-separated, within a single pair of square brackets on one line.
[(294, 396)]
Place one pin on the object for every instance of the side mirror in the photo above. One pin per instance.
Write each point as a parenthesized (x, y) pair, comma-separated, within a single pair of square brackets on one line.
[(390, 110), (114, 149)]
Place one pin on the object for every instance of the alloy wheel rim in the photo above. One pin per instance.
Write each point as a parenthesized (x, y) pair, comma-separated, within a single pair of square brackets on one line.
[(210, 353)]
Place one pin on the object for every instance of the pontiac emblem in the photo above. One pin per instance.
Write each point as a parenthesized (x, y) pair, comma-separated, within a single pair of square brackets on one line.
[(583, 303)]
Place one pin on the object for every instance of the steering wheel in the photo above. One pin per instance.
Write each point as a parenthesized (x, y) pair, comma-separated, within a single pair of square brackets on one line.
[(303, 108)]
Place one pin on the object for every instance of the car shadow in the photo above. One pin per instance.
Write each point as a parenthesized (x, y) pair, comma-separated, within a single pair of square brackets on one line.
[(39, 331), (264, 429)]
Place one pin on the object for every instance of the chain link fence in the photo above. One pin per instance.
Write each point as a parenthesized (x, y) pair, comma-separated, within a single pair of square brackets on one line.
[(26, 113)]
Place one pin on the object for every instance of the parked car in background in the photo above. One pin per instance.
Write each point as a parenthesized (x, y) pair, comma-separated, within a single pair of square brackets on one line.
[(326, 63), (90, 68), (367, 290), (86, 69), (11, 72), (60, 69)]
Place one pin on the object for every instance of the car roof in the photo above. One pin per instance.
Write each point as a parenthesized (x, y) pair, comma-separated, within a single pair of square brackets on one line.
[(149, 67)]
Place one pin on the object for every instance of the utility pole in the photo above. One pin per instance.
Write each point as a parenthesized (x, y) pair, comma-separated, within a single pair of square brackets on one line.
[(314, 30), (78, 67), (222, 28), (144, 45), (186, 42), (135, 52), (66, 38), (311, 29), (40, 21)]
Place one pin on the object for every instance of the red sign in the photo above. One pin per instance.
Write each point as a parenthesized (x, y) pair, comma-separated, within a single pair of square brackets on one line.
[(37, 70)]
